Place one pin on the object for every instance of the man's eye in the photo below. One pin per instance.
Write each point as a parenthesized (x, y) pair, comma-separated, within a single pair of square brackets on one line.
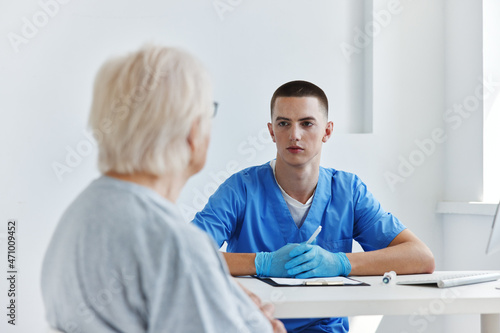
[(282, 123), (307, 123)]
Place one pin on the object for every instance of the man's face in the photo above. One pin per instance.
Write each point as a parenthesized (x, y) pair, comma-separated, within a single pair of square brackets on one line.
[(299, 127)]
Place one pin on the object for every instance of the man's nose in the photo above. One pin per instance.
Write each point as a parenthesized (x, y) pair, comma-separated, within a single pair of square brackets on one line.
[(295, 133)]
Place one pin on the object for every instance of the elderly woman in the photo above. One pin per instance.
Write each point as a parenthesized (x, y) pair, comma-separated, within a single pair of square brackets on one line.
[(121, 258)]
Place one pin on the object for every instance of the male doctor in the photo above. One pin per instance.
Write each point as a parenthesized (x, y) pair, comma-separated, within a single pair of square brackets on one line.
[(267, 213)]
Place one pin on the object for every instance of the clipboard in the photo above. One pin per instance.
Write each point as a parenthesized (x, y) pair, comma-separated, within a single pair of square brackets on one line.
[(338, 281)]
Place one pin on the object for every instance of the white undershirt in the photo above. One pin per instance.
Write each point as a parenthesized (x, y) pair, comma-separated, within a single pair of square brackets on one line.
[(297, 209)]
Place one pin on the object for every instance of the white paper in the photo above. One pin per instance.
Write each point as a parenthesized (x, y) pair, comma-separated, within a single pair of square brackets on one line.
[(299, 282)]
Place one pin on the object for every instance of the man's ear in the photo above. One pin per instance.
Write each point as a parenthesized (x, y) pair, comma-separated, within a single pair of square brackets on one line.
[(328, 131), (271, 132)]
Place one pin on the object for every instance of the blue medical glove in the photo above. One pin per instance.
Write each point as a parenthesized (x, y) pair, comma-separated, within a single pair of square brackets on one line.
[(273, 263), (313, 261)]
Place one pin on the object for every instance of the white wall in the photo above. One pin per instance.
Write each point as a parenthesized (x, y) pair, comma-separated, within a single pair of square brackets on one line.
[(466, 235), (424, 60), (408, 103)]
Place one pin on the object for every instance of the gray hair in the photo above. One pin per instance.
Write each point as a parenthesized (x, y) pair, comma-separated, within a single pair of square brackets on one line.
[(143, 108)]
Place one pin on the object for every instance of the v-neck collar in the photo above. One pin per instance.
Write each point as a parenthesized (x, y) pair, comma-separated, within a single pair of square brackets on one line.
[(291, 233)]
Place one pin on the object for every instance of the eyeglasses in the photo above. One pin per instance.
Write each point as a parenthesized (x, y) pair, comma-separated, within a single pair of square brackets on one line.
[(216, 106)]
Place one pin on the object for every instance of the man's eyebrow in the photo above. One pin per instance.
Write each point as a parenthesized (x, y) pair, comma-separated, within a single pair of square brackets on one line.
[(307, 118), (301, 119)]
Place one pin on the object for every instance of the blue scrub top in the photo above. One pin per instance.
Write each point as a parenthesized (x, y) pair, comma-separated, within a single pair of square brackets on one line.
[(249, 212)]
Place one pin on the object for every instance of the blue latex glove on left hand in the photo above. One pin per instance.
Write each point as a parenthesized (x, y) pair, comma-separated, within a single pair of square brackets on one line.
[(313, 261), (273, 263)]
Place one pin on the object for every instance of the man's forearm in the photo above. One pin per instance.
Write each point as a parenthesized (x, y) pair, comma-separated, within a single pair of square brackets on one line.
[(405, 255), (240, 263)]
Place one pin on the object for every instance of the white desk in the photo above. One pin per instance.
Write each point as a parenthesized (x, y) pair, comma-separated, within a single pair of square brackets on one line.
[(379, 299)]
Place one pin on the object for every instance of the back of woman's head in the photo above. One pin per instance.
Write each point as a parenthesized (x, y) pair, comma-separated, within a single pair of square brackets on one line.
[(143, 108)]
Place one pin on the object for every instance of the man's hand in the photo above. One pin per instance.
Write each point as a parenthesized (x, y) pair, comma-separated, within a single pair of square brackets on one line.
[(273, 263), (313, 261)]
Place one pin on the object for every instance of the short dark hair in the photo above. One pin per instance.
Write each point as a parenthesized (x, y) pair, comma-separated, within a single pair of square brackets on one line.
[(300, 89)]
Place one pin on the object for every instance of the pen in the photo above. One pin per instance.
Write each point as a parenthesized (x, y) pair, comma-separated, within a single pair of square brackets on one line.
[(389, 277), (313, 237), (324, 283)]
